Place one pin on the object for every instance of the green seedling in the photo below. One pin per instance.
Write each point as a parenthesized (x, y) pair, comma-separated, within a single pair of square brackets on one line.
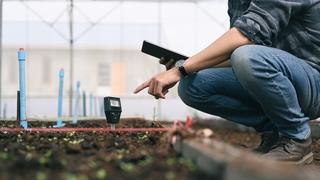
[(76, 141), (4, 155), (188, 163), (171, 161), (70, 176), (70, 134), (64, 162), (93, 164), (170, 175), (29, 148), (45, 158), (41, 176), (147, 161), (127, 167), (29, 156), (101, 174)]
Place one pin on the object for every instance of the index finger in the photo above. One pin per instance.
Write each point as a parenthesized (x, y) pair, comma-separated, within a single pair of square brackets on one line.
[(141, 87)]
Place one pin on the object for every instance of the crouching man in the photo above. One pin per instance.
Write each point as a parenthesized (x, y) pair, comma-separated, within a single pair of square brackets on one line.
[(263, 73)]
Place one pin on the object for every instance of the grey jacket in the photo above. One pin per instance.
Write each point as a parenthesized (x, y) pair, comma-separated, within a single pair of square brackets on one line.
[(290, 25)]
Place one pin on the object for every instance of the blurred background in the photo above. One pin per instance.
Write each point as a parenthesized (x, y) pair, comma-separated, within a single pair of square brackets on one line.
[(98, 43)]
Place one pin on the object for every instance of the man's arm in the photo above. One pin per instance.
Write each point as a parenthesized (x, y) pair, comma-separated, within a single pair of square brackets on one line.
[(225, 63), (218, 52)]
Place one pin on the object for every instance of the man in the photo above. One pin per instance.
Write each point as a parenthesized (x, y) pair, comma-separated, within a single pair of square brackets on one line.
[(262, 73)]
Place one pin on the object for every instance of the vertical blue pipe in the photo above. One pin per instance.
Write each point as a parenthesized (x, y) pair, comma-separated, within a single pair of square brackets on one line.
[(60, 99), (76, 106), (22, 85)]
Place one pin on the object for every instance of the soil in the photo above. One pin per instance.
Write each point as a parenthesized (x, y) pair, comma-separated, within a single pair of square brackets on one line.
[(250, 140), (94, 155)]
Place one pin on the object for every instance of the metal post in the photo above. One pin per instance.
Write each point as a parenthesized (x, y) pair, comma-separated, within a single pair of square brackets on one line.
[(91, 104), (71, 55), (1, 12), (160, 42), (76, 104), (84, 104)]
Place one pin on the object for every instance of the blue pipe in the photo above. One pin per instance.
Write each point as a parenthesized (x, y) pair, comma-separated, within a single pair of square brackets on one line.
[(60, 99), (22, 86)]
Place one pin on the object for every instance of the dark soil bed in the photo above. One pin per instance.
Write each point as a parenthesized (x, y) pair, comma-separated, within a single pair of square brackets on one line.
[(94, 155), (250, 140)]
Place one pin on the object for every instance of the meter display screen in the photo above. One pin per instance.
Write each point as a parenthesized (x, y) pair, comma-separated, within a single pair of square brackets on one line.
[(114, 103)]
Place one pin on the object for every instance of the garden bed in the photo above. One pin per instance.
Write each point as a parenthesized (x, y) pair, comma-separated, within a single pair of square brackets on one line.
[(93, 155), (249, 140)]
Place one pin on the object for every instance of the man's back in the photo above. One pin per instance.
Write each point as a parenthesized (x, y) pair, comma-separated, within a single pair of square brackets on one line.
[(290, 25)]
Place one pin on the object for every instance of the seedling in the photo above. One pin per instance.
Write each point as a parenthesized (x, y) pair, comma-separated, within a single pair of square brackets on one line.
[(22, 86), (112, 109), (60, 98)]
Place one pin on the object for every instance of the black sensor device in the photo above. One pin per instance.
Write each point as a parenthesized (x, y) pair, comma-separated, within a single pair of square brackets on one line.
[(160, 52), (112, 109)]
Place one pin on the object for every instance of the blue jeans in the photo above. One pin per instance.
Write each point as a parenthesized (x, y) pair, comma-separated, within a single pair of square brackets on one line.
[(265, 88)]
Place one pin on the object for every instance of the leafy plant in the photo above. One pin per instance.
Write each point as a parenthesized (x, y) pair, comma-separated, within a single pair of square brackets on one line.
[(101, 174)]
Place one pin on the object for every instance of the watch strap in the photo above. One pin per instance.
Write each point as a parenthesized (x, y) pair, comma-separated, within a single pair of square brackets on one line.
[(183, 71)]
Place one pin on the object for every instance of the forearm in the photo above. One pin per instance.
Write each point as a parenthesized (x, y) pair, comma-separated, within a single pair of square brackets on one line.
[(218, 52), (225, 63)]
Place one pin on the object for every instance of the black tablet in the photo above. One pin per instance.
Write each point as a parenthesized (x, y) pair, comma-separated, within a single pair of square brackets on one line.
[(160, 52)]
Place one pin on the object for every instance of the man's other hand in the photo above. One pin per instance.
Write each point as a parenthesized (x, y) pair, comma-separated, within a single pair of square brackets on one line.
[(169, 63)]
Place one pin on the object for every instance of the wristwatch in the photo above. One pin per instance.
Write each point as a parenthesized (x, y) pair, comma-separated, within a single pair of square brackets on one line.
[(181, 68)]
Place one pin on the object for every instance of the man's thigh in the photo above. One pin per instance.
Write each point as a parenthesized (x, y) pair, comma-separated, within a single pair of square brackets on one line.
[(267, 62), (215, 81)]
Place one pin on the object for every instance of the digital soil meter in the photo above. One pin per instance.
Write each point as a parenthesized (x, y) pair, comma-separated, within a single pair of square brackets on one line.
[(112, 109)]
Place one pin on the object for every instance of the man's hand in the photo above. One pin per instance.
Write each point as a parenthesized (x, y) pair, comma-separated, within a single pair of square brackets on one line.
[(159, 85), (169, 63)]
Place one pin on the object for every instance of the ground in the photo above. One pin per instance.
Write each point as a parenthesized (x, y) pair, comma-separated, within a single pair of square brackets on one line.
[(145, 155), (106, 155)]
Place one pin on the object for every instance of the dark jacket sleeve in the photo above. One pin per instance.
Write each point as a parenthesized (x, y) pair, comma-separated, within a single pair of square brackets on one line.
[(264, 19)]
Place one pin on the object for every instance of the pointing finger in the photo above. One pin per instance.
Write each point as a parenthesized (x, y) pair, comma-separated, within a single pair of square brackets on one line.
[(141, 87)]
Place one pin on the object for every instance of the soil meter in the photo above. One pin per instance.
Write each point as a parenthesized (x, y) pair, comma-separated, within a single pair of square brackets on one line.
[(112, 109)]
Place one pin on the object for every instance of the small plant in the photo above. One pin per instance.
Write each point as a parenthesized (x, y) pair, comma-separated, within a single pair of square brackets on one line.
[(41, 176), (101, 174), (127, 167), (170, 175)]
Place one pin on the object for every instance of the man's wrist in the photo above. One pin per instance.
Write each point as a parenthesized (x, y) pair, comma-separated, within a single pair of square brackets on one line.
[(180, 65), (183, 71)]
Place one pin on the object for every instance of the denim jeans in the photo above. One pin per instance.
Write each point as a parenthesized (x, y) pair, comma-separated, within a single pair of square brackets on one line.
[(265, 88)]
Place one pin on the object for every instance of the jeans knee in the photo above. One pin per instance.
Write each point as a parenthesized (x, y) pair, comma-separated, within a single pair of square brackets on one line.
[(184, 90), (241, 56), (189, 90), (246, 62)]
